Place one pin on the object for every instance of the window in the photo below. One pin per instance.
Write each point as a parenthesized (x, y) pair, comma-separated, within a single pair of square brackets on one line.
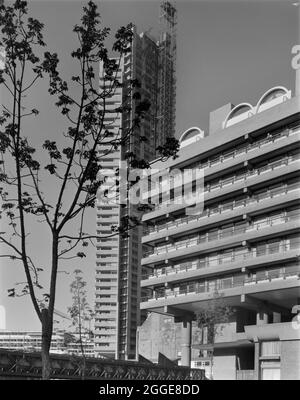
[(270, 372), (227, 230), (261, 249), (227, 256), (273, 246), (213, 259)]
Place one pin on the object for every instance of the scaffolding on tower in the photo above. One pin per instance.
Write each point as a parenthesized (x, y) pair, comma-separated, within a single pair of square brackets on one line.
[(167, 75)]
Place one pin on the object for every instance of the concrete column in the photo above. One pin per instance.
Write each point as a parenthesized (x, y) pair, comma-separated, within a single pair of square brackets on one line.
[(262, 318), (256, 361), (186, 342), (276, 317)]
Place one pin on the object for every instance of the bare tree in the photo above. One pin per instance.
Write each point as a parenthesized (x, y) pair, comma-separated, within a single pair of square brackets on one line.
[(81, 313), (74, 162)]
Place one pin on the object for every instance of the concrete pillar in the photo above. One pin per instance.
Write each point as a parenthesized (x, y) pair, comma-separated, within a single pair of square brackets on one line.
[(186, 342), (276, 317), (262, 318), (256, 361)]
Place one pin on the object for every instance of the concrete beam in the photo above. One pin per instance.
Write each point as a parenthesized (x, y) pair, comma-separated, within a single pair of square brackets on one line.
[(263, 305), (248, 137), (246, 217), (169, 238), (171, 216), (177, 313), (169, 262), (245, 243)]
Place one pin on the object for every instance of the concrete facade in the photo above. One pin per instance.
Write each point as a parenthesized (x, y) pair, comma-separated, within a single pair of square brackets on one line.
[(244, 245), (290, 363)]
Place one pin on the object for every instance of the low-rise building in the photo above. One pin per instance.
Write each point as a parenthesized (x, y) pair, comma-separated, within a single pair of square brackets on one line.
[(62, 342)]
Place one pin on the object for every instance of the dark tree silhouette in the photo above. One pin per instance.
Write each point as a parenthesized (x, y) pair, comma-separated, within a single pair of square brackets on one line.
[(74, 162)]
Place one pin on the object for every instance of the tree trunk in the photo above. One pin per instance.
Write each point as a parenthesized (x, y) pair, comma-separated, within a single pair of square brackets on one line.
[(201, 354), (83, 364), (46, 343), (83, 368)]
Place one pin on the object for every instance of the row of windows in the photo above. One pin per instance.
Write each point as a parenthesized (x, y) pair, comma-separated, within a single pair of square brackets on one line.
[(227, 281), (229, 178), (238, 253), (271, 219), (216, 207), (262, 139)]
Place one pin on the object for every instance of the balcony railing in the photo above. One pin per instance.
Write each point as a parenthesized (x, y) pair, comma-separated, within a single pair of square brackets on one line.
[(226, 283), (244, 150), (223, 207), (249, 147), (234, 179), (219, 260), (209, 236)]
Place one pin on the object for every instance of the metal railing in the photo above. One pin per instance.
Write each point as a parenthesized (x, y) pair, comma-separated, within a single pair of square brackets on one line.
[(219, 260), (223, 284), (223, 207), (209, 236), (246, 148), (20, 365), (232, 180), (250, 146)]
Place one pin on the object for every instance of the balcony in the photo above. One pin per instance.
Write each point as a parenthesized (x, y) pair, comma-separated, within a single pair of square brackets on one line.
[(213, 263), (106, 324), (266, 276), (105, 291), (214, 236), (223, 210), (235, 154), (112, 309), (102, 331), (224, 186), (209, 188)]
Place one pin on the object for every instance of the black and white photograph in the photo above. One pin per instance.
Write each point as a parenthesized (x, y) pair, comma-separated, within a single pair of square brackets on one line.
[(149, 193)]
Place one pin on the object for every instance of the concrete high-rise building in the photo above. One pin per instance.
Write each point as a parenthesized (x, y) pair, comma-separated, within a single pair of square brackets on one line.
[(107, 262), (244, 245), (118, 271)]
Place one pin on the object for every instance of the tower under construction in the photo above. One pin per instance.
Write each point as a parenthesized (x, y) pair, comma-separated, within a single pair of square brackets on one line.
[(118, 266)]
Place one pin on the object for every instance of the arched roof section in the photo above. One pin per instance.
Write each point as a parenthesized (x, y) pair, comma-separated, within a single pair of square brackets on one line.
[(272, 94), (240, 109), (191, 135)]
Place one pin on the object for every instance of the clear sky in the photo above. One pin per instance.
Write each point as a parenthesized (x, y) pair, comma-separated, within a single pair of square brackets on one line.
[(227, 51)]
